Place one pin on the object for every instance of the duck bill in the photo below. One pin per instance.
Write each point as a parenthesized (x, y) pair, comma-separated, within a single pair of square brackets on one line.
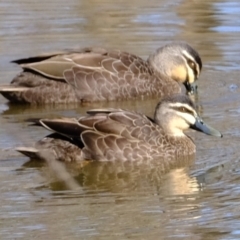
[(191, 87), (202, 127)]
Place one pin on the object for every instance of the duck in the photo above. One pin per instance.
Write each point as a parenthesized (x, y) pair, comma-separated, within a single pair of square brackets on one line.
[(111, 135), (98, 74)]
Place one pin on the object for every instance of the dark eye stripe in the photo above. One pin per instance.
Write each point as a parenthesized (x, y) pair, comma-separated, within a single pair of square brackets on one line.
[(194, 67), (196, 57), (183, 109), (191, 64)]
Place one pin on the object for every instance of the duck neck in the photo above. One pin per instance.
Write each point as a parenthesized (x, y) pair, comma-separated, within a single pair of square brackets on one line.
[(157, 66), (169, 126), (173, 132)]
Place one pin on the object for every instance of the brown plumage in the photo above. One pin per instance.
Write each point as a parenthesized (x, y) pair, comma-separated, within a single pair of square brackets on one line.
[(97, 74), (115, 134)]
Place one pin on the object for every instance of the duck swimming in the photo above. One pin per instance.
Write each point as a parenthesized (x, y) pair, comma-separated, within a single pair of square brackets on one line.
[(116, 134), (97, 74)]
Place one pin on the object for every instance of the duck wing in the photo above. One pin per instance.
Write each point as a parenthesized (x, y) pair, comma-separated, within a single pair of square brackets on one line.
[(110, 134)]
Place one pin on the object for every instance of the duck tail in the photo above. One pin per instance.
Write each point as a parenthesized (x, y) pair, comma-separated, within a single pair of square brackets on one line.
[(30, 152), (13, 93)]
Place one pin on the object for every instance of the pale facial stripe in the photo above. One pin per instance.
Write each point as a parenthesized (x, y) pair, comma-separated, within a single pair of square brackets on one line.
[(181, 120), (179, 105), (187, 56)]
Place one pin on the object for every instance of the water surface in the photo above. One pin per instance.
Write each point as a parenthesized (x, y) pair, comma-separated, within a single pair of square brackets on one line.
[(197, 200)]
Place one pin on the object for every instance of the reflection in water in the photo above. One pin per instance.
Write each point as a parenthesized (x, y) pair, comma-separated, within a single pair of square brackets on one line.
[(121, 21), (172, 205), (178, 183), (199, 21), (148, 105), (214, 32), (19, 113), (150, 198), (131, 176)]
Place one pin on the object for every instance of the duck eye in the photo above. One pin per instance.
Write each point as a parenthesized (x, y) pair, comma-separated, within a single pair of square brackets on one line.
[(191, 64), (183, 109)]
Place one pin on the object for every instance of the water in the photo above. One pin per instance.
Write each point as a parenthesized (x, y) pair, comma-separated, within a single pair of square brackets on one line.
[(199, 200)]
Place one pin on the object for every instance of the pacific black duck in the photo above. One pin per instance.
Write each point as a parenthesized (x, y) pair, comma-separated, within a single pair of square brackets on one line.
[(97, 74), (116, 134)]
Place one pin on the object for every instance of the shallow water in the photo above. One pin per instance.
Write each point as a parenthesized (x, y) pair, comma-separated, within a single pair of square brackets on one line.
[(198, 200)]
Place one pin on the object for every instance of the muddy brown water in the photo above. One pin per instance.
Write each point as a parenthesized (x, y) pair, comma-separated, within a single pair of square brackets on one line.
[(197, 200)]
